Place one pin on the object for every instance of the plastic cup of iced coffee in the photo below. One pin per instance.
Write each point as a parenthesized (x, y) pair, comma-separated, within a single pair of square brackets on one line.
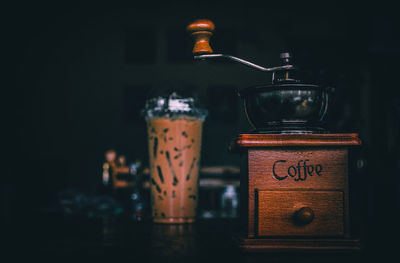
[(174, 126)]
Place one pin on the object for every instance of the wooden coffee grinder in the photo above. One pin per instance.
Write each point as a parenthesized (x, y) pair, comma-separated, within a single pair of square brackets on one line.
[(295, 191)]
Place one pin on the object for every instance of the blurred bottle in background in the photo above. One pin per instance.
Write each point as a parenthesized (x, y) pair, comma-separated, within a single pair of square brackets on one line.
[(108, 169), (137, 197), (229, 202)]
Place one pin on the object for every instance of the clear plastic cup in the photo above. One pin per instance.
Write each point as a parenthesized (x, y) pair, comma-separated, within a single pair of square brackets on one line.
[(174, 126)]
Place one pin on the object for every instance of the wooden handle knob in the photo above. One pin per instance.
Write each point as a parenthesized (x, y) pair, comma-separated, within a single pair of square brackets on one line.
[(303, 216), (201, 31)]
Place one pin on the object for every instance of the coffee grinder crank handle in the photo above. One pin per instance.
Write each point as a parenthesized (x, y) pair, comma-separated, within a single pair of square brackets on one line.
[(201, 30)]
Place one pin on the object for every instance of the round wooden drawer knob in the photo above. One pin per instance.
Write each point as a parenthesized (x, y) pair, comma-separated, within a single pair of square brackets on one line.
[(303, 216)]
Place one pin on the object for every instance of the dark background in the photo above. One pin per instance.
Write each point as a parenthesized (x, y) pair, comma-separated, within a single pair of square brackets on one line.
[(76, 77)]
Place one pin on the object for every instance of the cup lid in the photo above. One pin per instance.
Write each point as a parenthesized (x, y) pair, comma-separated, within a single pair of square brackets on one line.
[(173, 105)]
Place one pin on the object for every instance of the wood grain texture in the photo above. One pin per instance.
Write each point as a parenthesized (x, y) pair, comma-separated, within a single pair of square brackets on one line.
[(283, 140), (263, 164), (276, 210), (260, 167), (297, 244)]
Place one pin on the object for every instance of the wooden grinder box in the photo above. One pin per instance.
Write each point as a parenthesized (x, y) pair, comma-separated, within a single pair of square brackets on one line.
[(295, 192)]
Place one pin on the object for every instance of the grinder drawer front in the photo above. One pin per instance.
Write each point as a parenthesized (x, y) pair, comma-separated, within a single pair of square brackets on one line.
[(299, 213)]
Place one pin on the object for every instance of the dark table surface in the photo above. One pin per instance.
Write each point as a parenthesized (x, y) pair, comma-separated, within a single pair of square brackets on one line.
[(55, 238)]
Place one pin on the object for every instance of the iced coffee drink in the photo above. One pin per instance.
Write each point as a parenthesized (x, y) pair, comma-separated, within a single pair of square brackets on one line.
[(174, 136)]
